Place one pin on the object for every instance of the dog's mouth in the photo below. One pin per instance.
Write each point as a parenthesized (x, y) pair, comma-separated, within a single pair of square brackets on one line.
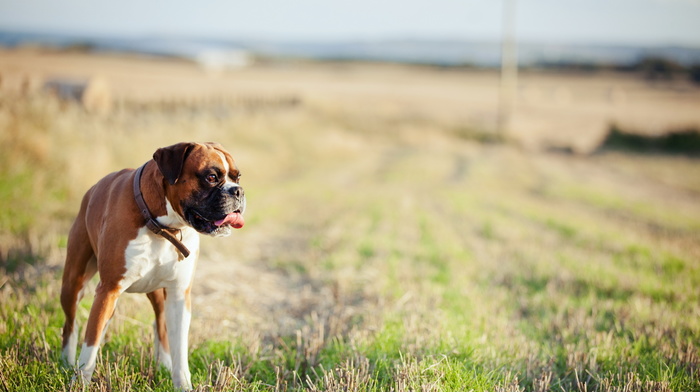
[(234, 219), (208, 225)]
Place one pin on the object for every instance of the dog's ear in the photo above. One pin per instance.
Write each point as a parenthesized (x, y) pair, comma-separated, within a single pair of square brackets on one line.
[(171, 159)]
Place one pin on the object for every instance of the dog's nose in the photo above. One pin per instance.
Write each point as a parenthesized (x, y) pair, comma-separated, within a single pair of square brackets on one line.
[(236, 191)]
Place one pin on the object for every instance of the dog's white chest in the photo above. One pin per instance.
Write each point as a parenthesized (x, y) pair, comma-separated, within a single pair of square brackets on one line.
[(152, 262)]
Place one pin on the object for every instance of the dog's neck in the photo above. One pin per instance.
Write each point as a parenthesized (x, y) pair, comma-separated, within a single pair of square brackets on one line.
[(168, 225), (153, 194)]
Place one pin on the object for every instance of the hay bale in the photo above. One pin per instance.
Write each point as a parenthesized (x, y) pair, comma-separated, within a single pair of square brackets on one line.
[(97, 96), (69, 90), (94, 94)]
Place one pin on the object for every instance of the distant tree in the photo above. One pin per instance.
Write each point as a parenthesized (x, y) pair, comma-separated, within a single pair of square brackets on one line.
[(694, 73), (659, 68)]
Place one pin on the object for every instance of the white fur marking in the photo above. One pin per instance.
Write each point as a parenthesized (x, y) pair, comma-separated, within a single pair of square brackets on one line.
[(69, 351), (230, 184), (162, 357), (152, 262), (223, 159), (172, 219), (178, 324), (87, 362)]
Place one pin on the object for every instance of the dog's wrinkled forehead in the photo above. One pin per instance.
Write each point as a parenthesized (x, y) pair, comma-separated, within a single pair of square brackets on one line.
[(210, 157)]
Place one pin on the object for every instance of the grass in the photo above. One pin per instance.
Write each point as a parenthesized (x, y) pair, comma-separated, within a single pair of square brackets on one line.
[(375, 256)]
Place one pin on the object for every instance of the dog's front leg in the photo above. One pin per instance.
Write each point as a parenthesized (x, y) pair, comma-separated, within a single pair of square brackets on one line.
[(178, 316), (101, 312)]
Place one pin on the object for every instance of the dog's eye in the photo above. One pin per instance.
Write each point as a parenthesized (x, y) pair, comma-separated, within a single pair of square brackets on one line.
[(212, 178)]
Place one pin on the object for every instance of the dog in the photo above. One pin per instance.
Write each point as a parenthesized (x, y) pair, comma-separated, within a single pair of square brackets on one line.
[(139, 230)]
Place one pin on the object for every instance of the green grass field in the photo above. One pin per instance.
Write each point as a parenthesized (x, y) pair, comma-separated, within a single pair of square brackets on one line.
[(380, 253)]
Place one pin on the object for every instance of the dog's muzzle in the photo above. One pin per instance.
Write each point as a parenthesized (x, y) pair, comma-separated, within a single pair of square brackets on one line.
[(220, 212)]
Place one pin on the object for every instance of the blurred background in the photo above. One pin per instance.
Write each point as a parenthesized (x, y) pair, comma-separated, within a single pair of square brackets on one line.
[(524, 171), (584, 66)]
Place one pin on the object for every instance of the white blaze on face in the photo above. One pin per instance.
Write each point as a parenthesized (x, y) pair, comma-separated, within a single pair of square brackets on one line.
[(234, 219), (225, 162), (228, 184)]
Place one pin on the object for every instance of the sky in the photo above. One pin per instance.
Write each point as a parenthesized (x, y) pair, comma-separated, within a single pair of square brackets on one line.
[(645, 22)]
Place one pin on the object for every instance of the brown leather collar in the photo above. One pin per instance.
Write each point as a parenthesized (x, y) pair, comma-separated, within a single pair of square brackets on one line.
[(151, 223)]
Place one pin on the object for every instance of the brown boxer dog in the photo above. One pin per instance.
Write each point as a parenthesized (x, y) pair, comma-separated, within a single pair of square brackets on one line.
[(139, 229)]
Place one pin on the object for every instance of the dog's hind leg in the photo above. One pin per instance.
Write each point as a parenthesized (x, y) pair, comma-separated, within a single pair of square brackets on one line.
[(80, 266), (161, 348)]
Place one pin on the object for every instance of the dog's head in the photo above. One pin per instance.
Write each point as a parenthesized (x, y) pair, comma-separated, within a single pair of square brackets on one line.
[(202, 184)]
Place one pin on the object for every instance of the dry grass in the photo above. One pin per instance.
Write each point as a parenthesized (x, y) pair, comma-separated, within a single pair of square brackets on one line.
[(383, 250)]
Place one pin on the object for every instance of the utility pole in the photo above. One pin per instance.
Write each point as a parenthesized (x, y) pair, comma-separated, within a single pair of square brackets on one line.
[(509, 69)]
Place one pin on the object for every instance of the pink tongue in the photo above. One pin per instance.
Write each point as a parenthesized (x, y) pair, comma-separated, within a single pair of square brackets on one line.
[(235, 219)]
